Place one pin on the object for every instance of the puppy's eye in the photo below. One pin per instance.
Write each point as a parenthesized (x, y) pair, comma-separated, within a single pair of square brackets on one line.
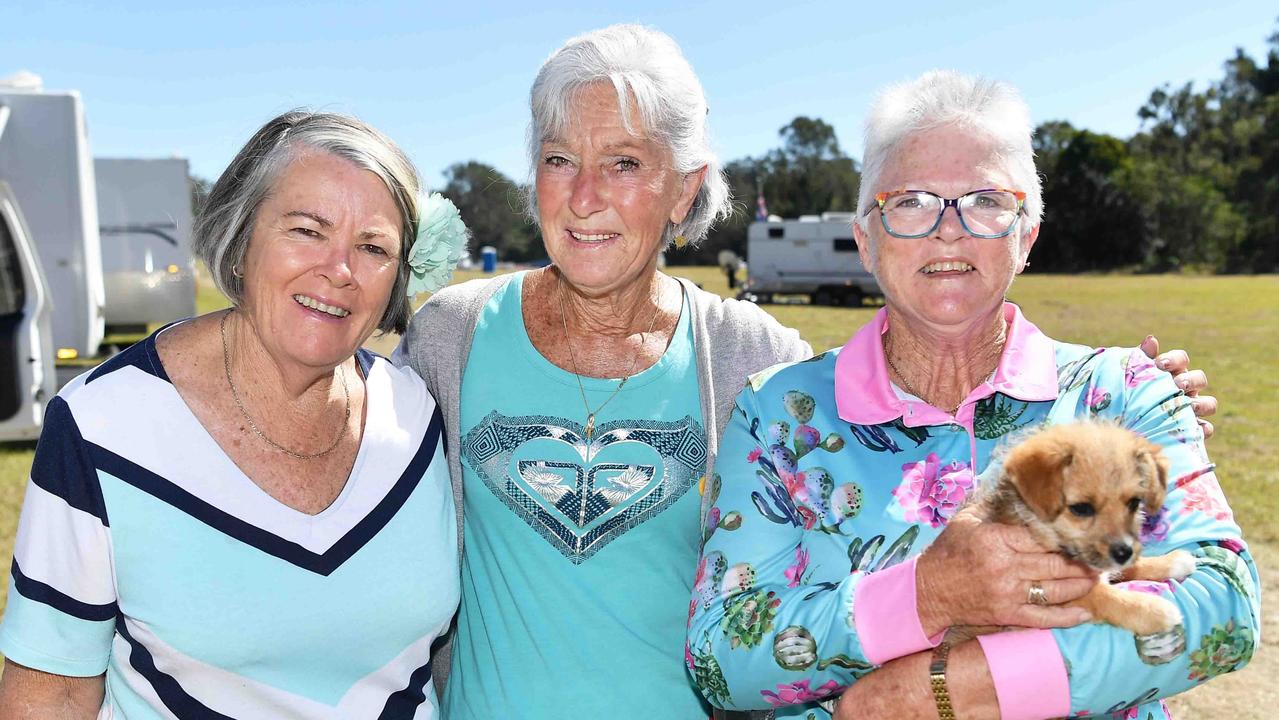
[(1133, 504), (1083, 510)]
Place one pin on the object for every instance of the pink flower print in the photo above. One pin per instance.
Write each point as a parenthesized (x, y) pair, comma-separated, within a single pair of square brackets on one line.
[(807, 515), (1155, 527), (753, 455), (1139, 369), (1097, 399), (1204, 495), (795, 485), (798, 692), (796, 571), (1127, 714), (1234, 546), (931, 492), (1150, 587)]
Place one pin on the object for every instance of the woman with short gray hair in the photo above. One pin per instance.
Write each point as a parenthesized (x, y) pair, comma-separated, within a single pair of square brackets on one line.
[(584, 399), (246, 514)]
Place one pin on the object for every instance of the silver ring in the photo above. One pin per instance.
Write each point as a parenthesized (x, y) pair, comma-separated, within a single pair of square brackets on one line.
[(1036, 595)]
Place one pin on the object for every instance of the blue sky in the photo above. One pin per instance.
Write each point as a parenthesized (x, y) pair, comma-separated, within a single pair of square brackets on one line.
[(449, 81)]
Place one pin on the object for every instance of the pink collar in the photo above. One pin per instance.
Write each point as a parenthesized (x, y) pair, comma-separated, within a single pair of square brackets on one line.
[(864, 394)]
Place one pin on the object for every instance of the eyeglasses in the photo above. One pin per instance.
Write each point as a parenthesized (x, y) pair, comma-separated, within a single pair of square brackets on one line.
[(988, 213)]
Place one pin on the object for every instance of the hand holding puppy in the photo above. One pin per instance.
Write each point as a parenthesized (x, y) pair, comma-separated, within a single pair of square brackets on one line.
[(980, 573)]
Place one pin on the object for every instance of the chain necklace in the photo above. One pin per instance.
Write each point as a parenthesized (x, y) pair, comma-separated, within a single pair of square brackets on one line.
[(235, 395), (908, 388), (590, 414)]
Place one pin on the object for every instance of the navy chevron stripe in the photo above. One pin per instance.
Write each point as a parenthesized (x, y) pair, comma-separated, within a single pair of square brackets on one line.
[(166, 687), (268, 542), (405, 702), (141, 355), (32, 589), (62, 466)]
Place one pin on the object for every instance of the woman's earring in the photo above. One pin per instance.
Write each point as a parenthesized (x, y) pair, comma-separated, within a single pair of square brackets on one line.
[(680, 241), (237, 271)]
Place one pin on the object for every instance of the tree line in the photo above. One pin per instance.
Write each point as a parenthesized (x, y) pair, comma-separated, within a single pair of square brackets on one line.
[(1197, 187)]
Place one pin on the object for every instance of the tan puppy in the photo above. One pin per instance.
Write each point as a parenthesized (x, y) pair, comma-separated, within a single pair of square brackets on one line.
[(1083, 490)]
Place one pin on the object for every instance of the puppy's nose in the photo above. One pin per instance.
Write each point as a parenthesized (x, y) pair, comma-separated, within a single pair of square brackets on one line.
[(1120, 552)]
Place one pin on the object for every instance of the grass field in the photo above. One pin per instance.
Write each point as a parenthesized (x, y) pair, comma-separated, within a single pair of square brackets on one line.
[(1230, 326)]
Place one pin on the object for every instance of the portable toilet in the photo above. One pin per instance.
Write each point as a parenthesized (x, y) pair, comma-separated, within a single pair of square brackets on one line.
[(488, 258)]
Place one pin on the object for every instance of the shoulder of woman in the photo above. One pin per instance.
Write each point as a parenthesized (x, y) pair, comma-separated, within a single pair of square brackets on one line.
[(740, 320), (456, 305)]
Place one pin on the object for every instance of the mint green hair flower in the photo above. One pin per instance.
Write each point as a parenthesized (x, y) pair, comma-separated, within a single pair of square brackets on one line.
[(441, 240)]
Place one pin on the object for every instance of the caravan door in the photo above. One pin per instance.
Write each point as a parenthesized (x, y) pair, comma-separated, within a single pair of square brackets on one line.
[(26, 345)]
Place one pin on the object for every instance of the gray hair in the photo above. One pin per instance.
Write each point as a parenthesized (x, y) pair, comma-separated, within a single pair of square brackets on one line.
[(224, 227), (942, 98), (647, 66)]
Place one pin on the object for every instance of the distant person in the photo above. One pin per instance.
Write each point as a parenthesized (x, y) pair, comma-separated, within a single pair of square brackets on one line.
[(585, 399), (848, 556), (729, 262), (246, 515)]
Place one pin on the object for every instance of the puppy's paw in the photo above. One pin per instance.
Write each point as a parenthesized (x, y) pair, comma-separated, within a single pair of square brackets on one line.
[(1155, 615), (1181, 564)]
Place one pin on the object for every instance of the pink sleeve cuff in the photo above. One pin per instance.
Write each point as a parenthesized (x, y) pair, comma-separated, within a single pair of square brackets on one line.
[(886, 615), (1029, 674)]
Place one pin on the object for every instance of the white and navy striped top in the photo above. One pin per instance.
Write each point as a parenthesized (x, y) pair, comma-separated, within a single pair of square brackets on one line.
[(143, 551)]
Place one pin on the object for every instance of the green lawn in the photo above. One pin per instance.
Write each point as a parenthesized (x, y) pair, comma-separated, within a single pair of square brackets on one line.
[(1230, 325)]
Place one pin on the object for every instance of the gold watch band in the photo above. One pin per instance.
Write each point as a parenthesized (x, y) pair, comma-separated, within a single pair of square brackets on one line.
[(937, 678)]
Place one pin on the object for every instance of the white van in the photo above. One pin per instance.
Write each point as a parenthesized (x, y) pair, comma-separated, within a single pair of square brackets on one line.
[(144, 216), (814, 255), (45, 159), (26, 350)]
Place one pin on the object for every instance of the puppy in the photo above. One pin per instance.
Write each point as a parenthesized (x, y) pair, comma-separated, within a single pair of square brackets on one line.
[(1083, 489)]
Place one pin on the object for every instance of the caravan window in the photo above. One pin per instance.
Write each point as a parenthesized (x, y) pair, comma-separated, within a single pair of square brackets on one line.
[(845, 245), (12, 295), (776, 232)]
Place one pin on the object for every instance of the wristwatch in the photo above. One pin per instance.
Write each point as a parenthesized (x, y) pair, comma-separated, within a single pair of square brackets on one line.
[(937, 678)]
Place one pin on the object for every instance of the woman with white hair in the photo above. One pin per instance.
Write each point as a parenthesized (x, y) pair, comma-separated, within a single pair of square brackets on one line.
[(834, 474), (246, 515), (584, 400)]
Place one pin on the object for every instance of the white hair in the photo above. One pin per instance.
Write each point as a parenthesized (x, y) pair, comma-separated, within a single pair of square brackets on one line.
[(644, 65), (945, 98)]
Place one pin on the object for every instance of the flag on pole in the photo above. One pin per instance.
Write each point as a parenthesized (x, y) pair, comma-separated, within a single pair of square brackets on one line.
[(761, 209)]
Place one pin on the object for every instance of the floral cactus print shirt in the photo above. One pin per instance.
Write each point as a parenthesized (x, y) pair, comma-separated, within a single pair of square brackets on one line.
[(829, 483)]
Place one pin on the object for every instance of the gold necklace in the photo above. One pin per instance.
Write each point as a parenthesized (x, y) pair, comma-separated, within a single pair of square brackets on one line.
[(235, 395), (590, 414), (907, 386)]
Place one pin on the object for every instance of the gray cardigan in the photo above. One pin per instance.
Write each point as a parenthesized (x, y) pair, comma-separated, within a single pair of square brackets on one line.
[(732, 340)]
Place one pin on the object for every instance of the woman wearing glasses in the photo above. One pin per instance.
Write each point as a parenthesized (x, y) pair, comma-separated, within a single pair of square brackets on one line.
[(835, 473)]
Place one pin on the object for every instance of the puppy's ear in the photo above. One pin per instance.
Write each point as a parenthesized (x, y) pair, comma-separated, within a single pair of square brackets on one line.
[(1035, 468), (1153, 466)]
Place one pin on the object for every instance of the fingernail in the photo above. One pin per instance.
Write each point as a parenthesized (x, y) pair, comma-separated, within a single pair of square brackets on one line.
[(1149, 338), (1164, 363)]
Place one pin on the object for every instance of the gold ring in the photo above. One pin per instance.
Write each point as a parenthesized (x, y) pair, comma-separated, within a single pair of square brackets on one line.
[(1036, 595)]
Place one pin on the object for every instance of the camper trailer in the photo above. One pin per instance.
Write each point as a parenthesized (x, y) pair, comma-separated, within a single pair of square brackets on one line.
[(813, 256), (144, 216), (26, 349), (44, 157)]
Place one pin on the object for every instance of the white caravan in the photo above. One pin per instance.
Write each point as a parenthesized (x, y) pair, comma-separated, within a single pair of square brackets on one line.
[(144, 216), (26, 350), (44, 157), (814, 255)]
